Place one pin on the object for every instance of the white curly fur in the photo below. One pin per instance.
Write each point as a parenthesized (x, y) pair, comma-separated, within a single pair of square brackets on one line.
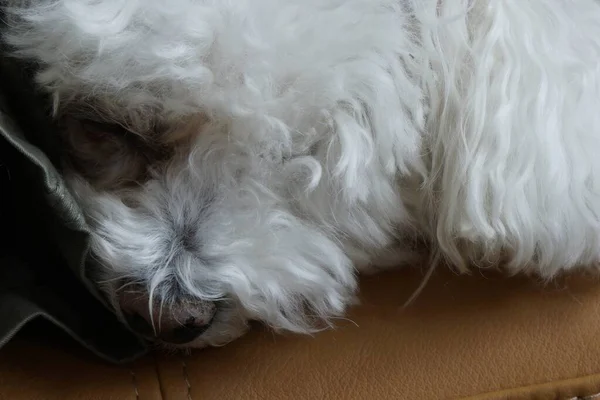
[(312, 138)]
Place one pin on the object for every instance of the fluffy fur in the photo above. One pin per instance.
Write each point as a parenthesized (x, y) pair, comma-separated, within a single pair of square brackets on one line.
[(272, 148)]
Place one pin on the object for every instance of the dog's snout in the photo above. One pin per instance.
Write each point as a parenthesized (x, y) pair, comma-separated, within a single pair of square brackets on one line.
[(179, 323)]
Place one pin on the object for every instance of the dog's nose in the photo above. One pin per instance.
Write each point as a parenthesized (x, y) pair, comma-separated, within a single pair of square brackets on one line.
[(177, 324), (174, 333)]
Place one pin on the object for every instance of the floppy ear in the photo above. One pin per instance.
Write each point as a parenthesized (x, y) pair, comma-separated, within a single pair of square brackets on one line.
[(96, 47)]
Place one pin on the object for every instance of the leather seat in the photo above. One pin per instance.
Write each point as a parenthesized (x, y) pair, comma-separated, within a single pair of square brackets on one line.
[(482, 336)]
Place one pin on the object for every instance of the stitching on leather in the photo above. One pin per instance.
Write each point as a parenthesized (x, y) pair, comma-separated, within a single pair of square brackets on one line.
[(186, 379), (159, 378), (585, 382), (134, 383), (590, 397)]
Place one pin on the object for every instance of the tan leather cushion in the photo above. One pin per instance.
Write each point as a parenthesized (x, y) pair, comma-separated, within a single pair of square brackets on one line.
[(489, 337)]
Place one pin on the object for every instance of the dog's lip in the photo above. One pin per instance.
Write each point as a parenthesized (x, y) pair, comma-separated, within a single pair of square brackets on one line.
[(208, 326), (146, 332)]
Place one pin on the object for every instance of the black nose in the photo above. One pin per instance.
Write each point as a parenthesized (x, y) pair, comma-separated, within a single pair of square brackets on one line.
[(177, 333), (178, 324)]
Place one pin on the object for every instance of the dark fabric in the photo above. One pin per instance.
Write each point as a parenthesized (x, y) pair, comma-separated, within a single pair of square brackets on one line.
[(43, 248)]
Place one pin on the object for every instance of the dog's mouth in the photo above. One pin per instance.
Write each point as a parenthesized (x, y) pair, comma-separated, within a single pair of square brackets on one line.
[(180, 321)]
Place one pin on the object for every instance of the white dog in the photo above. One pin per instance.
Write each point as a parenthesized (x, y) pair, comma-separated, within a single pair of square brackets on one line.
[(242, 159)]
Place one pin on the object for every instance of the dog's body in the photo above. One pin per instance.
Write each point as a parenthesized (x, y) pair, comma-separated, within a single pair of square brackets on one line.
[(273, 147)]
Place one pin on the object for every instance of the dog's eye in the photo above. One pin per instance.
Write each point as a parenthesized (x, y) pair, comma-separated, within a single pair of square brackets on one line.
[(100, 129)]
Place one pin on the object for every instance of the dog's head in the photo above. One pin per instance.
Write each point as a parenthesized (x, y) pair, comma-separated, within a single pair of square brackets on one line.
[(179, 131), (228, 155), (199, 244)]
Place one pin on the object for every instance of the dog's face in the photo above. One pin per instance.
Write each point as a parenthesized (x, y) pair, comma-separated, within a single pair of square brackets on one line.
[(193, 233), (222, 151), (187, 189)]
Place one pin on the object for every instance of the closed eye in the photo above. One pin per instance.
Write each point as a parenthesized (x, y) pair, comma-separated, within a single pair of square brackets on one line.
[(100, 129)]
